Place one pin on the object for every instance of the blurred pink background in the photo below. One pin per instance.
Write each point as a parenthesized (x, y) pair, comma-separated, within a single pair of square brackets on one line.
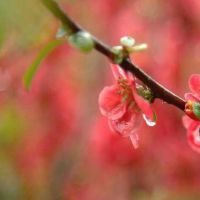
[(54, 143)]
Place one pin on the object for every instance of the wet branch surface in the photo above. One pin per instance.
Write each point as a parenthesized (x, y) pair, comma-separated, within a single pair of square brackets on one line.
[(157, 89)]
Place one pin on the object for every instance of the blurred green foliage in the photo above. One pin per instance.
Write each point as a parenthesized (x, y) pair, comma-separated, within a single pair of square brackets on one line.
[(10, 185), (11, 126), (23, 21)]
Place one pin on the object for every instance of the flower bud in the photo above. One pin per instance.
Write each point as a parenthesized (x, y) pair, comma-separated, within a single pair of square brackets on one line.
[(82, 40), (196, 110), (118, 54), (127, 41), (192, 109), (139, 47)]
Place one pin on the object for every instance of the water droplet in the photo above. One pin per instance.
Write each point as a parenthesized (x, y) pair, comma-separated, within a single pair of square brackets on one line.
[(149, 122), (62, 32)]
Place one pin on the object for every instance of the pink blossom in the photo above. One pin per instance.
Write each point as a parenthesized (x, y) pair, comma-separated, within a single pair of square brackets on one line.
[(123, 106), (191, 121)]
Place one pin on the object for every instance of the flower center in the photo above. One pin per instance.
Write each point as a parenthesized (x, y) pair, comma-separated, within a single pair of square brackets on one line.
[(125, 91)]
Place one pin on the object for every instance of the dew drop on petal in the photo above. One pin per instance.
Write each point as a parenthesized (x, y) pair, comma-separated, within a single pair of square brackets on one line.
[(134, 140), (148, 122)]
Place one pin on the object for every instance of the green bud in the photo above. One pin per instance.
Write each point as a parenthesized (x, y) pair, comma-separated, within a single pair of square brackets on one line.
[(145, 93), (196, 110), (118, 54), (82, 41), (148, 95), (139, 47), (127, 41), (140, 90)]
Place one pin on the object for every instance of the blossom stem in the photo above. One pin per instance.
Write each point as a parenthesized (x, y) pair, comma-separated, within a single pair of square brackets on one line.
[(158, 90)]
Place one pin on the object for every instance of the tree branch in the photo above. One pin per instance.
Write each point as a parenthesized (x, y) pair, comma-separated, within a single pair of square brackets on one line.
[(158, 90)]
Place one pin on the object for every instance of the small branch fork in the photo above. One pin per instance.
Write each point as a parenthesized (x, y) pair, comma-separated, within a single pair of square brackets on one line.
[(157, 89)]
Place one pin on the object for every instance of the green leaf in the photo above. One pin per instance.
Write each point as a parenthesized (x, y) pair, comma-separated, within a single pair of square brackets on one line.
[(31, 71)]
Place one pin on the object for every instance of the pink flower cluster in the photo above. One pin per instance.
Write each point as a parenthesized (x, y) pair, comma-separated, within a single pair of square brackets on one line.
[(191, 120), (123, 106)]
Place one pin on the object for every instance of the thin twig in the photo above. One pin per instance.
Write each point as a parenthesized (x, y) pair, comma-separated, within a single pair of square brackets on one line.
[(157, 89)]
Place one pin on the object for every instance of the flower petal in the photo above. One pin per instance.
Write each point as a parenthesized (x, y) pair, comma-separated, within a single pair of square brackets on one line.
[(118, 72), (134, 140), (187, 121), (194, 83), (191, 97), (110, 102), (127, 124), (130, 77), (194, 139)]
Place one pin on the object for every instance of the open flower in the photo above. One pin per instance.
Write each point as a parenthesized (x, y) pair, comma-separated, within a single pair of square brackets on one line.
[(123, 106), (192, 109)]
